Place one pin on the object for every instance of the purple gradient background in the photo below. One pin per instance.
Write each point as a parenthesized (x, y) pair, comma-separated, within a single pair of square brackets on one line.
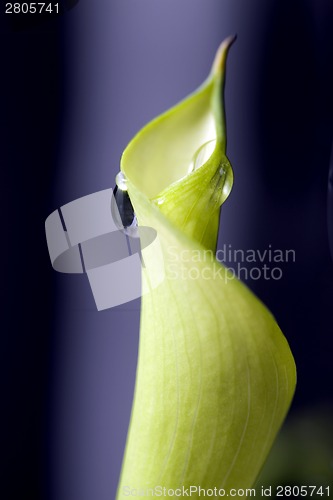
[(79, 88)]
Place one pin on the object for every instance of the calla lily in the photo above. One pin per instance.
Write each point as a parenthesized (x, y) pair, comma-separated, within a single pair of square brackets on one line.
[(215, 375)]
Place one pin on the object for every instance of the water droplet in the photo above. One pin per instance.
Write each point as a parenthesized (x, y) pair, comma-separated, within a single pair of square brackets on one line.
[(121, 181), (202, 155), (121, 207)]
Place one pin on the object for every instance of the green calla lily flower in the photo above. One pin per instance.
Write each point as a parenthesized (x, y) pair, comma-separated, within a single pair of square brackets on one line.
[(215, 375)]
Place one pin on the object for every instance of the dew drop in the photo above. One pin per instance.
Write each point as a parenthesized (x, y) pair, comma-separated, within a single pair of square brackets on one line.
[(121, 207), (121, 181), (202, 155)]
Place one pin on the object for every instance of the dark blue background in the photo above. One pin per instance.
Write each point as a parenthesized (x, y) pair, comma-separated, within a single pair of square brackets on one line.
[(74, 90)]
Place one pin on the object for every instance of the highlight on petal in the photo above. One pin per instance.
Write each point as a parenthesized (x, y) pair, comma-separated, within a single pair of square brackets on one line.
[(215, 375)]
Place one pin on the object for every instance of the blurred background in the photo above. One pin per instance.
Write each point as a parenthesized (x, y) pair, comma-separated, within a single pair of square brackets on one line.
[(75, 88)]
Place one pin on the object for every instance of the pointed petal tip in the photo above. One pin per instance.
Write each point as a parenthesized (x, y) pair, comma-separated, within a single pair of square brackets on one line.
[(221, 54)]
